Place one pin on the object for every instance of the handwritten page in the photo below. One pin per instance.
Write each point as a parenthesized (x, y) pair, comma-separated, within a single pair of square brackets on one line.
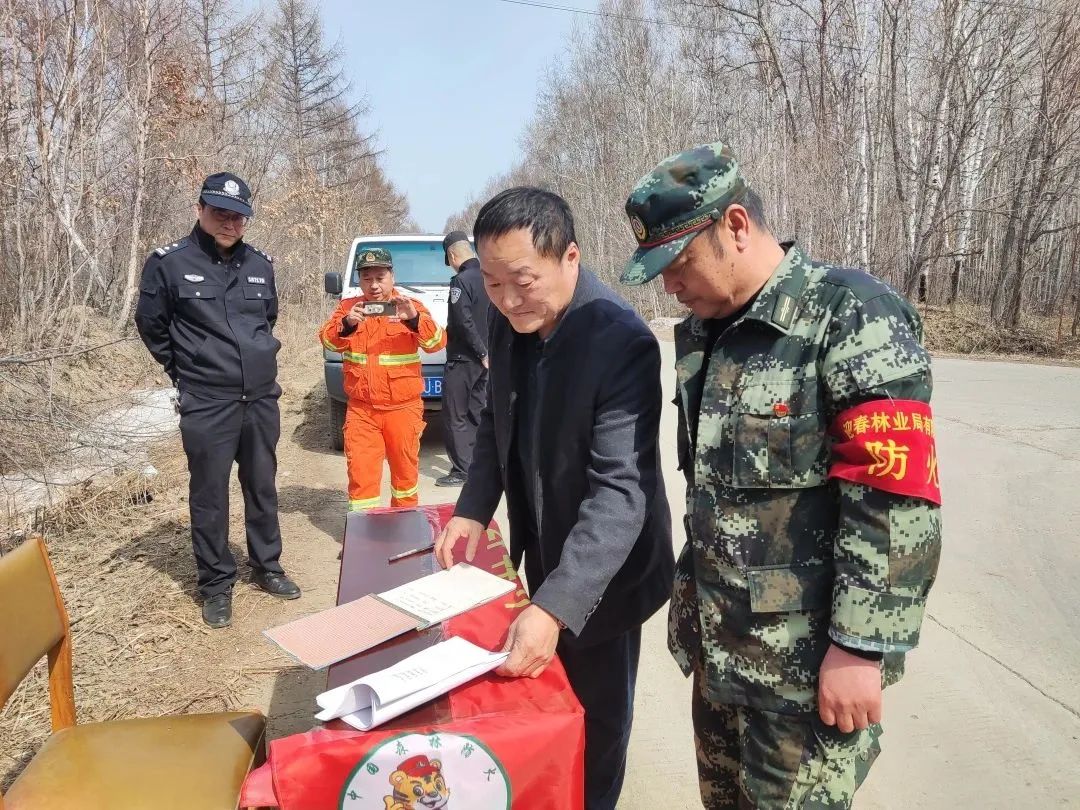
[(374, 699), (438, 597)]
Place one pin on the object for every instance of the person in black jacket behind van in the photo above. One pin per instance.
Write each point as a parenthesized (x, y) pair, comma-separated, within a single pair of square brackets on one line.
[(570, 435), (206, 311)]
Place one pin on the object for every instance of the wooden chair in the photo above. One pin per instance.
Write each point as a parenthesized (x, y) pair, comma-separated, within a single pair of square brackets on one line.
[(195, 762)]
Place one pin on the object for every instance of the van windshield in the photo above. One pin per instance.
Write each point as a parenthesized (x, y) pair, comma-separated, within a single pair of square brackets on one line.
[(415, 263)]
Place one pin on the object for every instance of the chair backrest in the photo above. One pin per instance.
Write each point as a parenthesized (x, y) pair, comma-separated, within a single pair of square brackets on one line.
[(33, 621)]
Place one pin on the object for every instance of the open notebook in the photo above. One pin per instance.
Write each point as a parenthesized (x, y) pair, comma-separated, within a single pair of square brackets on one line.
[(332, 635)]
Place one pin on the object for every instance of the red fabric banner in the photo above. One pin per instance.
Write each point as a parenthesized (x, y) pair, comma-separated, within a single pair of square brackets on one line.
[(889, 445), (508, 743)]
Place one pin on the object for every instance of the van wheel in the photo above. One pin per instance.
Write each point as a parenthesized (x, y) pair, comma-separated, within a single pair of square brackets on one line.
[(336, 413)]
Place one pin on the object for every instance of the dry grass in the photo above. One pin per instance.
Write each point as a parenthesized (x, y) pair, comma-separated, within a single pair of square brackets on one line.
[(298, 331), (971, 331), (47, 398)]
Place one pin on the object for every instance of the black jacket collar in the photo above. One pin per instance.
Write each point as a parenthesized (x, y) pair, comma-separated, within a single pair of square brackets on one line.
[(208, 246), (469, 264), (587, 290)]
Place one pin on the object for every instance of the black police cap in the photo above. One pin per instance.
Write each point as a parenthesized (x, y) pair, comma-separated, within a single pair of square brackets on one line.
[(226, 190)]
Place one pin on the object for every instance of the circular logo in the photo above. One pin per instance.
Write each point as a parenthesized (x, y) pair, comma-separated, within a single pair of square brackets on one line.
[(232, 188), (639, 228), (423, 771), (369, 257)]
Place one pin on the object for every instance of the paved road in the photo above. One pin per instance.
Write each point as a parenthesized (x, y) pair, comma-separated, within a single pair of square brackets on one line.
[(988, 715)]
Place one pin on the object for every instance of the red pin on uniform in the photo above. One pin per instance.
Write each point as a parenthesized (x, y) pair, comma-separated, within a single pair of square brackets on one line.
[(781, 409)]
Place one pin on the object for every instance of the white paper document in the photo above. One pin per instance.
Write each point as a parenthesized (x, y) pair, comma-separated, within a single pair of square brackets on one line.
[(440, 596), (374, 699)]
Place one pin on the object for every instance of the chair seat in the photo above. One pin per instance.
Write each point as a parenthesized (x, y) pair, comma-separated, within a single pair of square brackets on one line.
[(194, 762)]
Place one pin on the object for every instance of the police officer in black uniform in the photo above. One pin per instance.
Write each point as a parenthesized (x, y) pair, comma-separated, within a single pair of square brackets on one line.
[(465, 382), (207, 307)]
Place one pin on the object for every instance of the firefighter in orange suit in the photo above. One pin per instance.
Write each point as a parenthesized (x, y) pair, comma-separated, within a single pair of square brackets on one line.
[(380, 353)]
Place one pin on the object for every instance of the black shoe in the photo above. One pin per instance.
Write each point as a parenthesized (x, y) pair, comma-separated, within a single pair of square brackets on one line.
[(276, 584), (217, 611), (452, 480)]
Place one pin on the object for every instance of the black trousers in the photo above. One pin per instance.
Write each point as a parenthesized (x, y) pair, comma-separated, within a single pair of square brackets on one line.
[(215, 433), (464, 396), (603, 677)]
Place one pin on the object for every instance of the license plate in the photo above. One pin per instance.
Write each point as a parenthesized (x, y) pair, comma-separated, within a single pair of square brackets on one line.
[(432, 387)]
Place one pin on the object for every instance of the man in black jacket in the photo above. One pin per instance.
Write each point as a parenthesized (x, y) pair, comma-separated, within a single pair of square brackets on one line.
[(569, 435), (207, 308), (465, 381)]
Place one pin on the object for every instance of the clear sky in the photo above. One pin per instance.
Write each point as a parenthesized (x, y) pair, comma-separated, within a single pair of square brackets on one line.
[(451, 84)]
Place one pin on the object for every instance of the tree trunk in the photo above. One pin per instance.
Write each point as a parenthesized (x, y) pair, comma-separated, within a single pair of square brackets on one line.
[(142, 123)]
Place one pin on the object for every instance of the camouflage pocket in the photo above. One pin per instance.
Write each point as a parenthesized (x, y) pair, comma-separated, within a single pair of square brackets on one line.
[(779, 436), (788, 588), (836, 744), (835, 768), (847, 761)]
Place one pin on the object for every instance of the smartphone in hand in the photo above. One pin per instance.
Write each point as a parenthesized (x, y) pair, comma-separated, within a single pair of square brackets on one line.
[(380, 308)]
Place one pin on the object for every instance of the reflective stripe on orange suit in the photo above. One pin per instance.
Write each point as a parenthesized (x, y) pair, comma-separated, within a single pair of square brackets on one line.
[(381, 371)]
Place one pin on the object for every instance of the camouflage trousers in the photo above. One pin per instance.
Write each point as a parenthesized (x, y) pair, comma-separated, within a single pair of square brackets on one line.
[(748, 758)]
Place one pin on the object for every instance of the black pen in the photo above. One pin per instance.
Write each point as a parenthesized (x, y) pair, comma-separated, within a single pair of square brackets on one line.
[(410, 552)]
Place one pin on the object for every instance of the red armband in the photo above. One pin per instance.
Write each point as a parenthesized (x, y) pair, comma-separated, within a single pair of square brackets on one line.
[(889, 445)]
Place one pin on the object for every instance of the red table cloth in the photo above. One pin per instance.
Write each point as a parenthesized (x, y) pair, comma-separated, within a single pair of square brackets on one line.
[(493, 743)]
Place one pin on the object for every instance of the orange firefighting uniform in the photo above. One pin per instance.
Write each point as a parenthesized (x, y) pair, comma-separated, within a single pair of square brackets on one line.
[(385, 417)]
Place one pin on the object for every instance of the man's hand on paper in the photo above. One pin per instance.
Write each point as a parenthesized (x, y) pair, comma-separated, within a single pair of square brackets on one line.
[(531, 642), (457, 529)]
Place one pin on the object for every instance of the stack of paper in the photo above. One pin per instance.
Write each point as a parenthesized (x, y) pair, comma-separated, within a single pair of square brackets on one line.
[(374, 699), (332, 635)]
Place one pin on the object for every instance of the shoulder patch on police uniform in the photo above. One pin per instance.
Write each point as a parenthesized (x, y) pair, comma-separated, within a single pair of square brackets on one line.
[(455, 294), (265, 255), (164, 250), (784, 310)]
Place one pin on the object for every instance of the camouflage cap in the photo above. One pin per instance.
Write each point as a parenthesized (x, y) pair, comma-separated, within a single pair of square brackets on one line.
[(373, 257), (677, 200)]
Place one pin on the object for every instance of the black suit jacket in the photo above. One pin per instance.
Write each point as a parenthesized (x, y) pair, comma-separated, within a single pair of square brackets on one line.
[(602, 559)]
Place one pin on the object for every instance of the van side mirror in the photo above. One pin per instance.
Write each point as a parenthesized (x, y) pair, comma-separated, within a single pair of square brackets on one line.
[(332, 283)]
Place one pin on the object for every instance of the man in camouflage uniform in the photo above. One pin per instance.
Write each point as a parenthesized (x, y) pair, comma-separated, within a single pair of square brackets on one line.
[(813, 529)]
